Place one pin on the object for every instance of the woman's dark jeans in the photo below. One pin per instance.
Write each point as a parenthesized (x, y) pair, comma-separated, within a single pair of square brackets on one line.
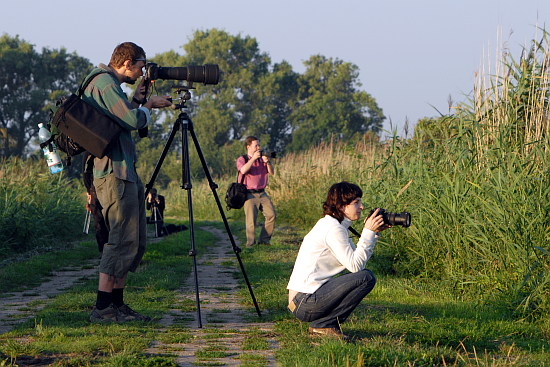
[(334, 301)]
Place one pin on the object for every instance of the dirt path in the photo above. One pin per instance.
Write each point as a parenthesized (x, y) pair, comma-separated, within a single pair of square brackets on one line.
[(21, 306), (226, 337)]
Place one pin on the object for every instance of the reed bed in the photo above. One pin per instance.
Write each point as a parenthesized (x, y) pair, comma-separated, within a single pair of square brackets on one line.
[(37, 209), (511, 104)]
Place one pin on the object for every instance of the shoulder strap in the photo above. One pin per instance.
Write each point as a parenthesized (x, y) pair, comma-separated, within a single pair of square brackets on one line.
[(245, 156), (85, 82)]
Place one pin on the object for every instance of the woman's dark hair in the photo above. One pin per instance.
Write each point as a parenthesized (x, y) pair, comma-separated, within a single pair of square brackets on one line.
[(339, 195)]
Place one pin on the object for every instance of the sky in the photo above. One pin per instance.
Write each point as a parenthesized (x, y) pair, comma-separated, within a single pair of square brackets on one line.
[(413, 56)]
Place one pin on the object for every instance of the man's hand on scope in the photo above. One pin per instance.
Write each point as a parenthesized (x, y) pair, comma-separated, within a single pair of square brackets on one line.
[(158, 102), (154, 101)]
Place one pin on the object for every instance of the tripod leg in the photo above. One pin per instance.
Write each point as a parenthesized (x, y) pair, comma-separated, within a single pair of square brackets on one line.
[(157, 221), (151, 182), (161, 226), (186, 174), (213, 187), (154, 217), (184, 121)]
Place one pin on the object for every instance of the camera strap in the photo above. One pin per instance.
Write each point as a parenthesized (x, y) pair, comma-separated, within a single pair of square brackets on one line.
[(245, 156), (354, 232), (86, 82)]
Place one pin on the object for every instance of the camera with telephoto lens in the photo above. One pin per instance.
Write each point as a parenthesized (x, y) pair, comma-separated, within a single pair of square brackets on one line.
[(270, 155), (206, 74), (394, 219)]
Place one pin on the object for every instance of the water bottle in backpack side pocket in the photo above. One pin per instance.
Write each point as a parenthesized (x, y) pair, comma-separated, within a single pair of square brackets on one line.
[(50, 151)]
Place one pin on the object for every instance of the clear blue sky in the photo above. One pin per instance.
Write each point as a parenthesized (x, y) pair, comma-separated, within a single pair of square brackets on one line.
[(411, 54)]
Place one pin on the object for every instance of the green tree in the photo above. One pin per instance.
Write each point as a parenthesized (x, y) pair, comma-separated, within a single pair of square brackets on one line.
[(330, 104), (226, 110), (254, 97), (221, 113), (29, 83), (276, 96)]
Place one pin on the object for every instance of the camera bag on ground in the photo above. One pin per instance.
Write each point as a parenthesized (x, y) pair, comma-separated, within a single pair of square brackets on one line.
[(237, 192), (77, 126)]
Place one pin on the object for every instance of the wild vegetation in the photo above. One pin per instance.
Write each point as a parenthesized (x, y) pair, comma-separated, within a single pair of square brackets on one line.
[(476, 182), (467, 284), (37, 210)]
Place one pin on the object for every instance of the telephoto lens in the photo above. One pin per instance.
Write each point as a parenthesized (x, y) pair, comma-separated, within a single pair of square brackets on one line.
[(207, 74)]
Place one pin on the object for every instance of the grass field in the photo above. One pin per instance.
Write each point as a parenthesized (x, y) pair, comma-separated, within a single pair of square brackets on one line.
[(403, 322)]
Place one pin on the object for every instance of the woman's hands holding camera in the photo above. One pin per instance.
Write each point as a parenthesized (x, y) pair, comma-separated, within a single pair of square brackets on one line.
[(375, 222)]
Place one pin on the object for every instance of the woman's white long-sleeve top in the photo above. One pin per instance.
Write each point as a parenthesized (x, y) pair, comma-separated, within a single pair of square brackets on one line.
[(328, 250)]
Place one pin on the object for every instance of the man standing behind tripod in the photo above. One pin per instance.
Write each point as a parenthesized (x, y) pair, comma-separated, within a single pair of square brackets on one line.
[(256, 168), (118, 187), (156, 204)]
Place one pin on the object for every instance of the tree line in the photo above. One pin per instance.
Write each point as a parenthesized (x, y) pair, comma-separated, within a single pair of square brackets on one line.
[(288, 111)]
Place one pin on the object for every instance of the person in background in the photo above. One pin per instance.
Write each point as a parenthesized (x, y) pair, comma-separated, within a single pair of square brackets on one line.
[(256, 167), (156, 204), (93, 205)]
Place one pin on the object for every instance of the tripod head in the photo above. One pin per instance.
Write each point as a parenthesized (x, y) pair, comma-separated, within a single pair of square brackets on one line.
[(185, 94)]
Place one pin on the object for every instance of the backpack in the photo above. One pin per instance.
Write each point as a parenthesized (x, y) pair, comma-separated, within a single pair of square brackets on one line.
[(237, 192), (76, 126), (61, 140)]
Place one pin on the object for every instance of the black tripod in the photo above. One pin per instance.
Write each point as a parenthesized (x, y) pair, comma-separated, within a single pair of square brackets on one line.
[(186, 124), (157, 220)]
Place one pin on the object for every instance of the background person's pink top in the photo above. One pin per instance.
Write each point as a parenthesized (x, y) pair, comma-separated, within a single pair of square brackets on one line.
[(256, 177)]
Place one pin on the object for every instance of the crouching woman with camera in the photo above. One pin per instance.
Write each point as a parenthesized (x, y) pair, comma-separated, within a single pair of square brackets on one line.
[(316, 294)]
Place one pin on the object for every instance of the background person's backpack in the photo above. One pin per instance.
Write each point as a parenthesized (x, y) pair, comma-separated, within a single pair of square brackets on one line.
[(237, 192)]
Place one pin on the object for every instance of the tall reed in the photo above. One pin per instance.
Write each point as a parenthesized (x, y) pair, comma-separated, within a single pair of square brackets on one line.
[(511, 105), (37, 209)]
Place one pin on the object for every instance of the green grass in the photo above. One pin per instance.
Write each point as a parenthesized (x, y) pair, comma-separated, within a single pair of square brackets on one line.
[(37, 209), (255, 340), (403, 322), (43, 265), (61, 330)]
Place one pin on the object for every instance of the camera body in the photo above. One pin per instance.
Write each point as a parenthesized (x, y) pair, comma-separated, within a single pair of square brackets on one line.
[(394, 219), (152, 200), (270, 155)]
